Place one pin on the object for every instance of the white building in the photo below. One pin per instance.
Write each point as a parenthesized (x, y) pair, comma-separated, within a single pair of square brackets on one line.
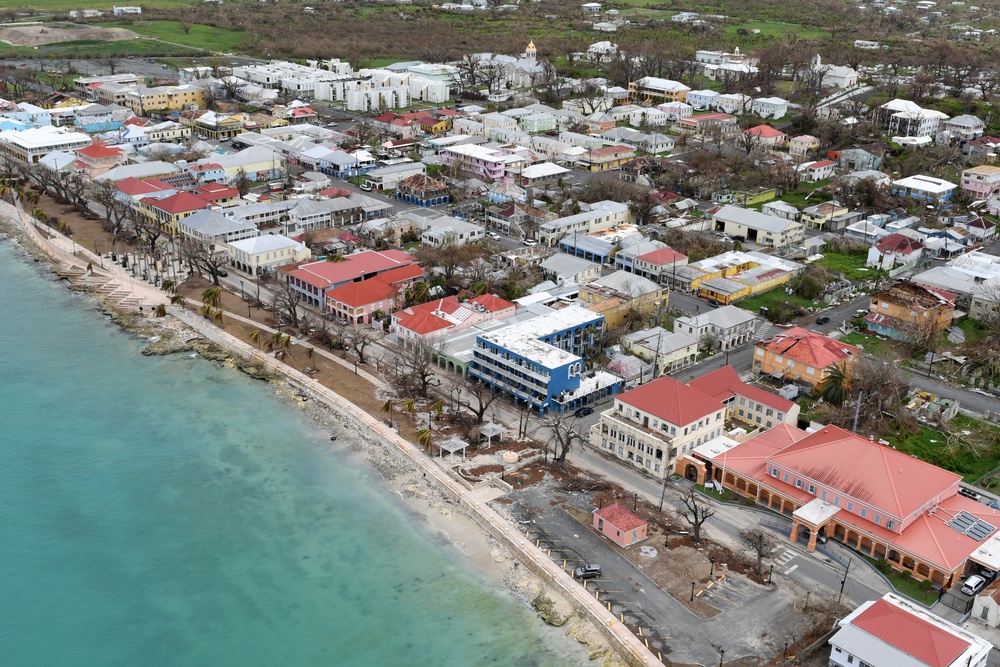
[(729, 326), (120, 11), (894, 632), (734, 103), (701, 100), (770, 107), (266, 253)]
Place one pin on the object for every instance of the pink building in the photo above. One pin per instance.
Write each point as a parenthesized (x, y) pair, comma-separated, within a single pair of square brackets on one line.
[(443, 316), (619, 525), (358, 302), (982, 182)]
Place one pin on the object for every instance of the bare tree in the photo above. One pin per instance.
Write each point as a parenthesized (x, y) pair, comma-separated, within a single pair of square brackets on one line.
[(204, 257), (695, 511), (564, 434), (417, 369), (757, 543), (285, 304), (65, 187), (117, 211), (484, 397), (358, 338)]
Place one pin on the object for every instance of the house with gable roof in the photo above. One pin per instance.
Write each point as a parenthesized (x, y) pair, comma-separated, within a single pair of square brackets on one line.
[(619, 525), (747, 403), (313, 280), (894, 251)]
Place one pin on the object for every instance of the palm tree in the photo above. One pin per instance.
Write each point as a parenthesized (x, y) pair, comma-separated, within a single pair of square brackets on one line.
[(255, 337), (424, 438), (212, 296), (387, 407), (274, 341), (217, 316), (336, 258), (206, 309), (309, 353), (160, 310), (169, 286), (407, 404), (178, 300), (479, 288), (835, 386)]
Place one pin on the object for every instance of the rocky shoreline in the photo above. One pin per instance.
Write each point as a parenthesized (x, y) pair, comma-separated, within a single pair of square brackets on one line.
[(429, 503)]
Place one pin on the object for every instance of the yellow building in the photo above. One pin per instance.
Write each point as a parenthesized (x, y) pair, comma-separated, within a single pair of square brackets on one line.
[(907, 310), (621, 293), (164, 98), (215, 125), (656, 90)]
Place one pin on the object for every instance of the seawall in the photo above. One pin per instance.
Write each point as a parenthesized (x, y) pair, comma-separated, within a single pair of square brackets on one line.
[(628, 646)]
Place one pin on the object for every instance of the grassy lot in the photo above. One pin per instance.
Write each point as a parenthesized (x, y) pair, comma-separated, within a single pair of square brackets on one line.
[(806, 195), (852, 266), (972, 451), (906, 584), (92, 48), (199, 36), (772, 298), (974, 330), (775, 29), (871, 344)]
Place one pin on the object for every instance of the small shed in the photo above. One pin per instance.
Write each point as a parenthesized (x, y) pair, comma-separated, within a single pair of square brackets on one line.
[(619, 525)]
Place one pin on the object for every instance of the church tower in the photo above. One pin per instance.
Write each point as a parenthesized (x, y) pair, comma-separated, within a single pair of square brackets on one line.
[(531, 53)]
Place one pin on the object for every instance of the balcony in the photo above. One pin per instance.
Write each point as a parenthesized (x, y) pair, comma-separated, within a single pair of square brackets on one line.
[(614, 419)]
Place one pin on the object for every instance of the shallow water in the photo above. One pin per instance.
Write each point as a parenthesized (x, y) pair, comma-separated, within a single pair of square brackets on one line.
[(168, 511)]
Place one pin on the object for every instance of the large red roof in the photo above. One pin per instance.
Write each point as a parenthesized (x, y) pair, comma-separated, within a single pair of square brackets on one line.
[(358, 266), (809, 348), (492, 302), (925, 641), (424, 323), (99, 151), (671, 401), (181, 202), (620, 518), (724, 383), (362, 293), (899, 244), (877, 475), (133, 186), (765, 132)]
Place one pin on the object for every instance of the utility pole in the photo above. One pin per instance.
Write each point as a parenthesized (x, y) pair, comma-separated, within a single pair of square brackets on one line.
[(857, 411), (844, 580)]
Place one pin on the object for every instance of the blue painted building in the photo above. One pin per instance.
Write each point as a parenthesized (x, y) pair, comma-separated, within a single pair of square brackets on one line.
[(926, 189), (538, 361)]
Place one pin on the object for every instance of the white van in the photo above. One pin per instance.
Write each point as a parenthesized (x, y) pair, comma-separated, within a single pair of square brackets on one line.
[(366, 186)]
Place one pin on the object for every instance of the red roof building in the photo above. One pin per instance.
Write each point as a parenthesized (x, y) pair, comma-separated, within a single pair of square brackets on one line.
[(619, 525), (894, 632), (869, 496), (766, 134), (899, 244), (745, 402), (441, 316), (314, 279), (801, 355), (136, 188), (168, 211)]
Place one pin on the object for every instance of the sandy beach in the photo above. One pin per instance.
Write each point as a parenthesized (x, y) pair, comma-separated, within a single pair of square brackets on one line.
[(572, 635)]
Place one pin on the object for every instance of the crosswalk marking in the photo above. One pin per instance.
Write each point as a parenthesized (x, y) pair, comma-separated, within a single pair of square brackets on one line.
[(791, 569)]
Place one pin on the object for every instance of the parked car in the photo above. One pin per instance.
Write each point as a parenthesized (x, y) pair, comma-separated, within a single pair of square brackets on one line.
[(583, 412), (972, 585), (860, 312), (712, 303), (529, 242), (740, 238), (494, 236), (822, 319), (222, 273), (987, 574), (589, 571)]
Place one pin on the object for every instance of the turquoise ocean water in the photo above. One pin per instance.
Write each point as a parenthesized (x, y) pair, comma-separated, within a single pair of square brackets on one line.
[(166, 511)]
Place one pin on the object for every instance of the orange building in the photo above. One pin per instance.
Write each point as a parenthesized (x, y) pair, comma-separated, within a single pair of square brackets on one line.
[(801, 356)]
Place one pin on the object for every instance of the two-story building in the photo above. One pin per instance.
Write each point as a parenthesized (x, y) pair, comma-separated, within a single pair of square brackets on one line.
[(265, 253), (668, 352), (617, 295), (650, 426), (744, 402), (729, 327), (313, 280), (803, 356), (906, 311), (981, 182), (363, 301)]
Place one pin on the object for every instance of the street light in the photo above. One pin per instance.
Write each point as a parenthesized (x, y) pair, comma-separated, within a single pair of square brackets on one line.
[(722, 654), (692, 590), (242, 295), (711, 571)]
